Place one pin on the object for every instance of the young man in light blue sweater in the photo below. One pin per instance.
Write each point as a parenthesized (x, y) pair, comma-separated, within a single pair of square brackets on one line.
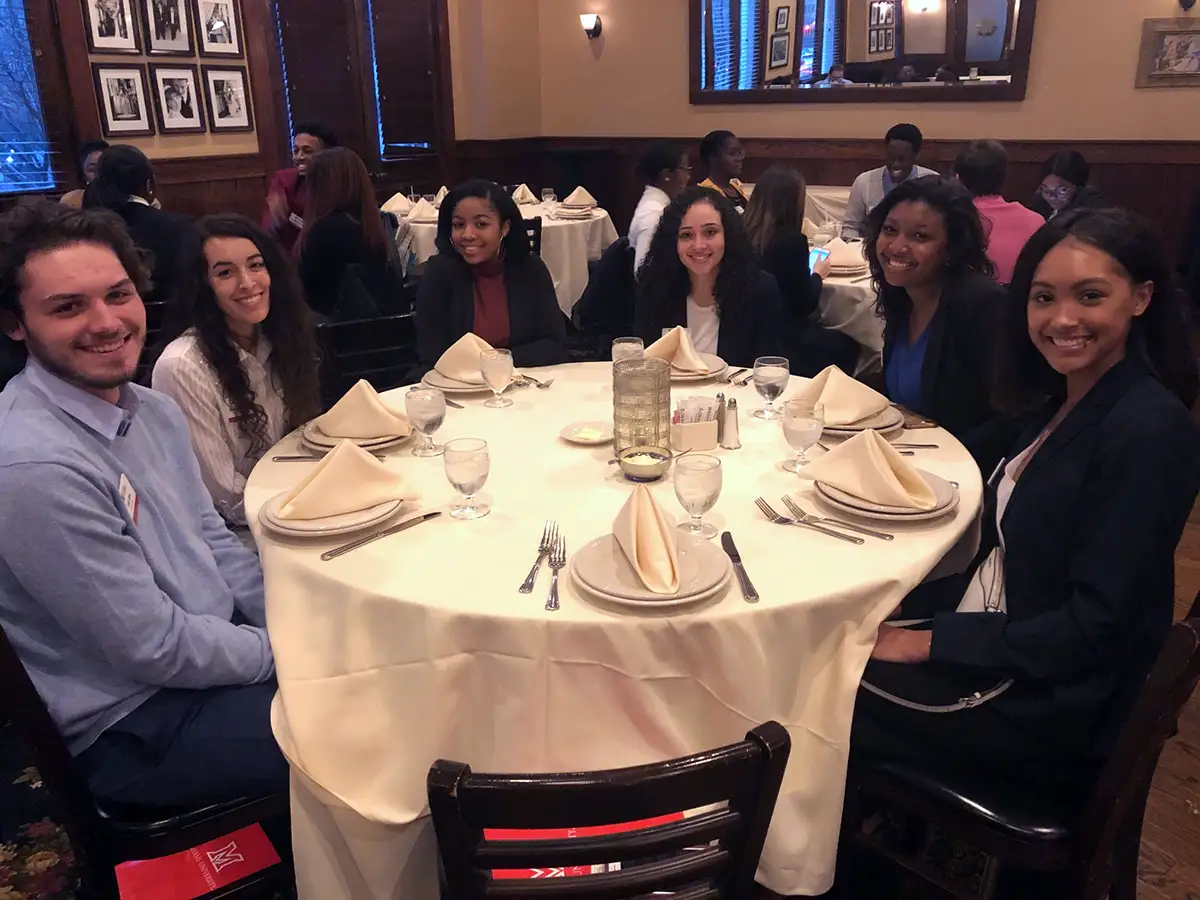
[(138, 615)]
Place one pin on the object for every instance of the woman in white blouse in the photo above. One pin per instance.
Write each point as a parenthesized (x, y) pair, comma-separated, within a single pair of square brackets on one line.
[(241, 361), (664, 167)]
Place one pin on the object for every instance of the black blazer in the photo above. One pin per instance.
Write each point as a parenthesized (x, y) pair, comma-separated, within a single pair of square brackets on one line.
[(1090, 533), (956, 375), (170, 237), (786, 257), (605, 311), (333, 244), (446, 311), (756, 331)]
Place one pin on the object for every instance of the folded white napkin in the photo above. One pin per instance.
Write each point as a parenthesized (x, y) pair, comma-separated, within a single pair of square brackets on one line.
[(846, 401), (867, 466), (346, 480), (361, 413), (398, 205), (676, 348), (440, 196), (580, 197), (648, 542), (422, 211), (524, 195), (809, 228), (461, 361), (846, 256)]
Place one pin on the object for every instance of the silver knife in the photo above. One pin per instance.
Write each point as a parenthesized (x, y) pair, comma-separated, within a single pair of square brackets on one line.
[(748, 590), (354, 545), (450, 403)]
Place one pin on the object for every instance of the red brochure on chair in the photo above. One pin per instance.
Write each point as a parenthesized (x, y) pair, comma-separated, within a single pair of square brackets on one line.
[(200, 870)]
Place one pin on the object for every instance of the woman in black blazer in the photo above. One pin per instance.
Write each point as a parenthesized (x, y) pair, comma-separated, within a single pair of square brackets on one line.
[(485, 280), (701, 272), (1090, 507), (926, 247)]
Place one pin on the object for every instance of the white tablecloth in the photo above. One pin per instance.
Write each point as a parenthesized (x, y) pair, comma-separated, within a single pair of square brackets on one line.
[(567, 245), (826, 203), (848, 305), (418, 646)]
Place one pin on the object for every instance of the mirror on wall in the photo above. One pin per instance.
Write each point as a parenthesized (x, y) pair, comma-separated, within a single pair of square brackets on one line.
[(840, 51)]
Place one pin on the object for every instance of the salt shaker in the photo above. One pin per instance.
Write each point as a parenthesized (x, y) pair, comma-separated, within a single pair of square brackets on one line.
[(720, 417), (730, 439)]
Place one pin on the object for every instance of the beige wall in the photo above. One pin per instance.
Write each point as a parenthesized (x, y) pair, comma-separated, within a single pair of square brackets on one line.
[(768, 27), (925, 32), (633, 81)]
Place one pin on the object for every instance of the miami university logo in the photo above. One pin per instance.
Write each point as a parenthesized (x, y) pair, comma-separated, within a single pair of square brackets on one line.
[(224, 856)]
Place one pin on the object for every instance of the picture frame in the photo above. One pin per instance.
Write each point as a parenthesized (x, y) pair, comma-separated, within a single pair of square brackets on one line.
[(873, 15), (779, 50), (167, 27), (889, 41), (176, 91), (123, 99), (219, 28), (227, 97), (782, 15), (873, 41), (1170, 54), (887, 13), (111, 26)]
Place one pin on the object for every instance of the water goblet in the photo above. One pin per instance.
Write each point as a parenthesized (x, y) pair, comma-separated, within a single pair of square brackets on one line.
[(497, 368), (771, 374), (467, 465), (628, 348), (803, 422), (426, 410), (697, 487), (549, 197)]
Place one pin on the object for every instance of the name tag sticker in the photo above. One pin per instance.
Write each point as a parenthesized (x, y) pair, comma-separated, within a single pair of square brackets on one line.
[(296, 220), (129, 497)]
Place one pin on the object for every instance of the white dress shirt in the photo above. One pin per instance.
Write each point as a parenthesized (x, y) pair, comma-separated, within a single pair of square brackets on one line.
[(184, 374), (645, 222), (704, 328)]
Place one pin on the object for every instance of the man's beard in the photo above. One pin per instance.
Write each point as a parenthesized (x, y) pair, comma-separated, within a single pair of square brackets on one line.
[(60, 369)]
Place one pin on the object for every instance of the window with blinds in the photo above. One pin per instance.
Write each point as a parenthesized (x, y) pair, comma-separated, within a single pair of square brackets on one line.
[(403, 68), (26, 151), (832, 40), (734, 35)]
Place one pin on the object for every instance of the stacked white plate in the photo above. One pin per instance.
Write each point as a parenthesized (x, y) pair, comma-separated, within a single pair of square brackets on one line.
[(716, 368), (314, 440), (944, 491), (601, 569), (847, 259), (434, 378), (574, 212), (886, 420), (326, 526)]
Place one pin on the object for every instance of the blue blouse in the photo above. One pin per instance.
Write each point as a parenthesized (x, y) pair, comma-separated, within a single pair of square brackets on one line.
[(903, 375)]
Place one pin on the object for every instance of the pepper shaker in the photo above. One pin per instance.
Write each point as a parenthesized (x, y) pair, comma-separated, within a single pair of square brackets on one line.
[(730, 438), (720, 417)]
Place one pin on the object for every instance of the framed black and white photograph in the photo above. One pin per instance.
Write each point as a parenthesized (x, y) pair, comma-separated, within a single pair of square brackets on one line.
[(227, 91), (873, 14), (177, 105), (124, 100), (219, 27), (167, 27), (779, 51), (782, 14), (873, 41), (887, 14), (888, 44), (110, 26)]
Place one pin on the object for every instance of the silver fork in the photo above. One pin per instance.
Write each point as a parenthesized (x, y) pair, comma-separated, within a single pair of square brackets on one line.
[(558, 559), (775, 517), (549, 533), (732, 375), (746, 379), (540, 385), (824, 520)]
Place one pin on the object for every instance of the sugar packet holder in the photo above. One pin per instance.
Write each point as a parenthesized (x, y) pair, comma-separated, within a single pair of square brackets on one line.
[(694, 436)]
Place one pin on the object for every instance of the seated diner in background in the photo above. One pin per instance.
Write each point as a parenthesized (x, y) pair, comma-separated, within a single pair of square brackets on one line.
[(89, 162), (702, 273), (723, 156), (287, 194), (485, 280), (981, 168), (835, 77), (665, 169), (901, 146), (939, 304), (1074, 597), (138, 615), (238, 356), (1065, 186)]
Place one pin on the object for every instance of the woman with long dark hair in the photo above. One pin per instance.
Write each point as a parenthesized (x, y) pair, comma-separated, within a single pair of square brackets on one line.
[(484, 280), (239, 358), (702, 273), (1062, 620), (927, 251)]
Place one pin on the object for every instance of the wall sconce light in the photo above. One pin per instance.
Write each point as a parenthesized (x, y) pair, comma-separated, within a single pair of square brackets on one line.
[(592, 25)]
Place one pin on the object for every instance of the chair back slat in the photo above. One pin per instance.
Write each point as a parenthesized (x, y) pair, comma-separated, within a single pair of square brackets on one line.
[(383, 351), (703, 867)]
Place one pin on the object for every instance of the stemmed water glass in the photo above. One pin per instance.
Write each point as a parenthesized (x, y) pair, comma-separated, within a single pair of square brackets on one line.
[(467, 466), (771, 374), (497, 368), (426, 410), (628, 348), (549, 197), (803, 422), (697, 487)]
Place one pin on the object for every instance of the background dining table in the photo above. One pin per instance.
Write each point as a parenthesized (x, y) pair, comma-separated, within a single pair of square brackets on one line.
[(418, 646)]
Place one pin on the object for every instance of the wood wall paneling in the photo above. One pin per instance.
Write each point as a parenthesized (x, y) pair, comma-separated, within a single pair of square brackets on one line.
[(198, 186)]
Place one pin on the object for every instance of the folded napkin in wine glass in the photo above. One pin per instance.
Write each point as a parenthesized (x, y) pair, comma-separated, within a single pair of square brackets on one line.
[(398, 205), (423, 211), (345, 480), (676, 348), (846, 401), (580, 197), (362, 414), (648, 541), (461, 361), (440, 196), (868, 467), (524, 195)]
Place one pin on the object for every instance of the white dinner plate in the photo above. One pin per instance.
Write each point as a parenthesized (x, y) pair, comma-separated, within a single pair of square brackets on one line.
[(944, 492), (326, 525), (643, 606), (601, 567), (589, 434), (434, 378), (577, 205), (312, 434), (716, 368), (432, 221), (318, 450), (884, 420)]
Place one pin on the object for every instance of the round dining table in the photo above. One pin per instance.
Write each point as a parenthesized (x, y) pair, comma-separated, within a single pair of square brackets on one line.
[(418, 646), (847, 304)]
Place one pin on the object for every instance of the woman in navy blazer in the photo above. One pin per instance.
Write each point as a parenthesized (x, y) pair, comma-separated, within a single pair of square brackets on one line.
[(1093, 500)]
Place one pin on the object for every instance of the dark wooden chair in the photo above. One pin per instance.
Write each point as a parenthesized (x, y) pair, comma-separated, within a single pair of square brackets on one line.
[(104, 836), (382, 350), (533, 228), (156, 311), (711, 855), (1071, 851)]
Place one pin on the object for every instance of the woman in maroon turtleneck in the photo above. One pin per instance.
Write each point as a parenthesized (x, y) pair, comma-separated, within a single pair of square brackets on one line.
[(485, 280)]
